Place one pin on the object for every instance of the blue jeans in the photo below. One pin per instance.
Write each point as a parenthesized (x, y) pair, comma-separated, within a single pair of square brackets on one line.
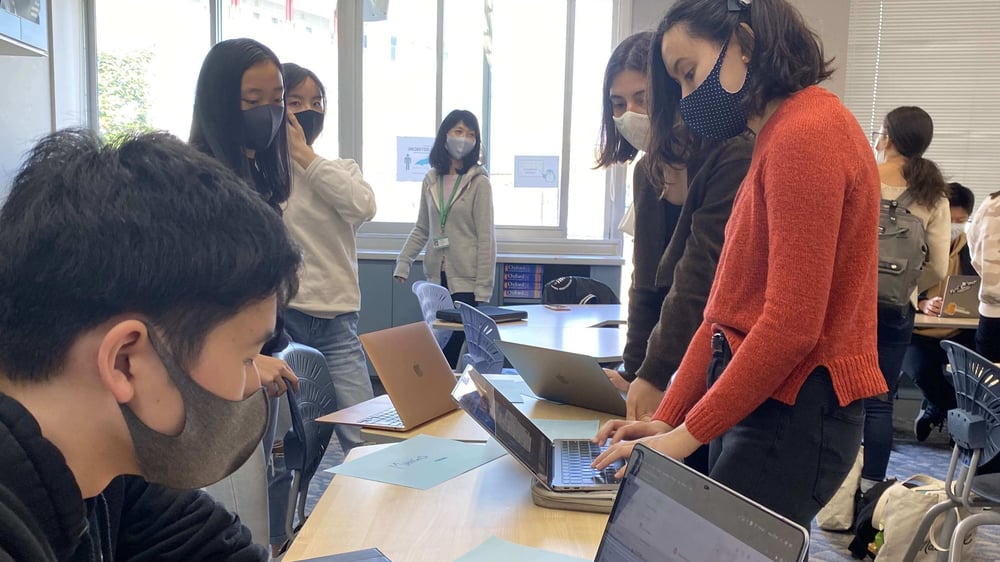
[(895, 328), (337, 339)]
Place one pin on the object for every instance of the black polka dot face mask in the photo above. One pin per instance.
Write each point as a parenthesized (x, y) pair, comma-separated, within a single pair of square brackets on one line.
[(712, 112)]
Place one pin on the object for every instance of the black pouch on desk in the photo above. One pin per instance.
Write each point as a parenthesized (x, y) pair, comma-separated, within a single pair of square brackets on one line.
[(368, 555), (595, 502), (498, 314)]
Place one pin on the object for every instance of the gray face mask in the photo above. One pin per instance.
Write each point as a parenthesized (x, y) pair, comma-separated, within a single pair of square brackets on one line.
[(219, 435), (459, 147)]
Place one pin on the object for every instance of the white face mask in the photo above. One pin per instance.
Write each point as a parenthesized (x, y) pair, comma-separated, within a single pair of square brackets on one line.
[(957, 229), (635, 128)]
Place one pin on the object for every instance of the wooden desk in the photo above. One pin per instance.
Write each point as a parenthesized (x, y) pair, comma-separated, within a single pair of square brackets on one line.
[(444, 522), (926, 321), (606, 345), (459, 426)]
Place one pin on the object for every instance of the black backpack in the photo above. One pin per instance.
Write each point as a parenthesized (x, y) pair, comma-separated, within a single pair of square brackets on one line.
[(902, 251)]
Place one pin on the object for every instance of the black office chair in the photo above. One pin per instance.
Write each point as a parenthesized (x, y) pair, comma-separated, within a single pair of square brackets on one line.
[(306, 441), (578, 290), (974, 425)]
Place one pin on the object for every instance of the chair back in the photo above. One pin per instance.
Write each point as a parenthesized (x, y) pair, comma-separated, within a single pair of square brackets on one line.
[(975, 423), (481, 335), (306, 441), (578, 290), (432, 298)]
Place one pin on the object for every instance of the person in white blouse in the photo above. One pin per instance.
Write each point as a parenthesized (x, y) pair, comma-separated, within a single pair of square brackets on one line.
[(905, 135)]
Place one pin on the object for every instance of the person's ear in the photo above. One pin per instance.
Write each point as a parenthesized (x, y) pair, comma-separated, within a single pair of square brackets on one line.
[(746, 40), (124, 349)]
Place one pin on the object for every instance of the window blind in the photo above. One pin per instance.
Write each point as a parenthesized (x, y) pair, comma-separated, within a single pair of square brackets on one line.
[(941, 55)]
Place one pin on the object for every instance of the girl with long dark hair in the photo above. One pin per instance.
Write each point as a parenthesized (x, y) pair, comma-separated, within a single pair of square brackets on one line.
[(774, 378)]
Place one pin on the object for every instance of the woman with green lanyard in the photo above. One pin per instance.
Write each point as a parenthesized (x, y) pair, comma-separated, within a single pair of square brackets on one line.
[(456, 217)]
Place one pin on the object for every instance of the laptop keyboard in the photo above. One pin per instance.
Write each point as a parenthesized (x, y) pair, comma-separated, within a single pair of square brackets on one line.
[(389, 418), (576, 459)]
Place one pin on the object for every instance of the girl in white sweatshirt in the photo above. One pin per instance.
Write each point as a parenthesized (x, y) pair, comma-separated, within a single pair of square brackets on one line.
[(329, 201)]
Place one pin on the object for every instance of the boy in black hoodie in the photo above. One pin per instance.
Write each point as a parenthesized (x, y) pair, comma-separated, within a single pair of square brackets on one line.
[(137, 285)]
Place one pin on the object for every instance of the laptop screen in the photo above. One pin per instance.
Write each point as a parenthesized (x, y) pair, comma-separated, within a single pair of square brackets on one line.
[(508, 425), (667, 511)]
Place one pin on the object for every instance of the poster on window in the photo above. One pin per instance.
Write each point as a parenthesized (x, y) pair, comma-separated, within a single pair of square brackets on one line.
[(413, 158), (536, 171)]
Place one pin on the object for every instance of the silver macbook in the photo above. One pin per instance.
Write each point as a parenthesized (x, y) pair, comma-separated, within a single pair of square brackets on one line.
[(416, 376), (564, 377), (560, 465), (667, 512)]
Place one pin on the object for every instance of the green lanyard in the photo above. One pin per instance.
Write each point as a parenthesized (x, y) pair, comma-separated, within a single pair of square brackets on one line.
[(446, 207)]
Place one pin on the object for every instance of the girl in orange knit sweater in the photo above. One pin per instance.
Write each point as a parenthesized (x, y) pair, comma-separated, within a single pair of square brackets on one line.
[(774, 378)]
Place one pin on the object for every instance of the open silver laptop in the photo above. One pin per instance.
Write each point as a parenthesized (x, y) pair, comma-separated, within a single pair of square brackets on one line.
[(665, 511), (961, 297), (417, 379), (560, 465), (564, 377)]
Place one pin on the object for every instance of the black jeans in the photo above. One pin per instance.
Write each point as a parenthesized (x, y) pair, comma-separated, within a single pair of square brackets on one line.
[(453, 348), (988, 338), (925, 362), (791, 459), (895, 328)]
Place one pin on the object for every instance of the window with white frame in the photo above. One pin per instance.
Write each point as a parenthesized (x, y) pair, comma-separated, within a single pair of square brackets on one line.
[(146, 70), (506, 61), (303, 32), (531, 71), (943, 57)]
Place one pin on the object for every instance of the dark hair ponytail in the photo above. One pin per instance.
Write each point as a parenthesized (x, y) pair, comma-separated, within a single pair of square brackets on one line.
[(910, 130)]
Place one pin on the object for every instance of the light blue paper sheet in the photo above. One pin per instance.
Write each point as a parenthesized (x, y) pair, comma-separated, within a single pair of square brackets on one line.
[(421, 462), (499, 550), (567, 429), (512, 387)]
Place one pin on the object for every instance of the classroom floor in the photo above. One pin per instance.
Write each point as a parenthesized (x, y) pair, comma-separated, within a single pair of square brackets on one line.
[(908, 458)]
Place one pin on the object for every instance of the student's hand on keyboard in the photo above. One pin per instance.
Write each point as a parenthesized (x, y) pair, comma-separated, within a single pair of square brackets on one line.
[(621, 430), (677, 444)]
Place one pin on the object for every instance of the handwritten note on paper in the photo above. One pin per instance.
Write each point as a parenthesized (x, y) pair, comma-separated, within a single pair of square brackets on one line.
[(421, 462), (499, 550)]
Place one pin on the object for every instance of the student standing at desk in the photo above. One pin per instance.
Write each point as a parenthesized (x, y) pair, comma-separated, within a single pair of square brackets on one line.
[(917, 184), (774, 377), (681, 209), (239, 119)]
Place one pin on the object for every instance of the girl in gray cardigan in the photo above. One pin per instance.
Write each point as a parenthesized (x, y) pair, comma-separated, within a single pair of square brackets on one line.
[(455, 222)]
